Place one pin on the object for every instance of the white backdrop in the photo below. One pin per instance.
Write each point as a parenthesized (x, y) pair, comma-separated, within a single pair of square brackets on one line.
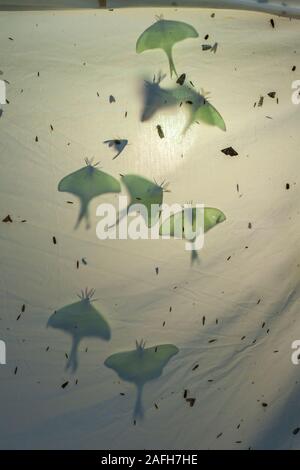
[(61, 68)]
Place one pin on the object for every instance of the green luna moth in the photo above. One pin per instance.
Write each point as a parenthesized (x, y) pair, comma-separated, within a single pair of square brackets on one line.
[(163, 34), (147, 193), (80, 319), (172, 225), (140, 366), (175, 225), (88, 183)]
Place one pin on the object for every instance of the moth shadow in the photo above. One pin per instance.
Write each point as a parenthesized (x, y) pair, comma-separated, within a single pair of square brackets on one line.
[(80, 320)]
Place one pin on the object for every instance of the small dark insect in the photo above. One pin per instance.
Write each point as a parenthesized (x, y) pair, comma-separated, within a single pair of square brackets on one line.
[(272, 23), (242, 338), (51, 127), (219, 435), (189, 102), (126, 114), (203, 321), (7, 219), (212, 340), (181, 79), (38, 74), (23, 308), (67, 357), (287, 186), (164, 323), (230, 151), (76, 382), (112, 99), (272, 94), (155, 349), (122, 394), (238, 188), (47, 348), (191, 401), (170, 309), (260, 102), (296, 430), (160, 131), (134, 422), (16, 370), (214, 48), (228, 258), (258, 302), (36, 139), (64, 384), (212, 15), (264, 405), (263, 325), (11, 39), (195, 367), (156, 406), (185, 394), (54, 240), (206, 37), (70, 202), (293, 68), (206, 47), (18, 317), (84, 261), (249, 225), (157, 270), (77, 264)]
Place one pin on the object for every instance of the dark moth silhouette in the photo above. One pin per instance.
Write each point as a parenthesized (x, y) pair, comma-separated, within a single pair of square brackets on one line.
[(88, 183), (141, 365), (197, 106), (163, 34), (80, 320), (117, 144)]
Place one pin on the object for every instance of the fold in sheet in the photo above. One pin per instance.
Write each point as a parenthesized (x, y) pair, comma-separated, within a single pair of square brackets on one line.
[(290, 8)]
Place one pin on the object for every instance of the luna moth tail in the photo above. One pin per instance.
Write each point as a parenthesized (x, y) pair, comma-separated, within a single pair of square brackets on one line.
[(138, 408), (84, 213), (194, 257), (72, 363), (171, 61)]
